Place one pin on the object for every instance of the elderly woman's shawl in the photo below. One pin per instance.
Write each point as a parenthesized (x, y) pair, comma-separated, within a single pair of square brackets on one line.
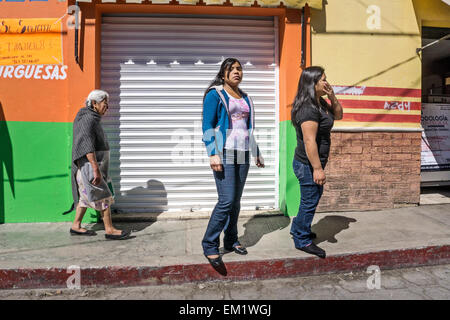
[(89, 137)]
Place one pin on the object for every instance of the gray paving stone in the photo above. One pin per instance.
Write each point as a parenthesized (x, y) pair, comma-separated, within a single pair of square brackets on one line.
[(442, 272), (444, 284), (392, 282), (354, 286), (319, 294), (437, 293), (383, 294), (419, 278)]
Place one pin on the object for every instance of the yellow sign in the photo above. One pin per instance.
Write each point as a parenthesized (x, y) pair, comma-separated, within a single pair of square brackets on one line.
[(30, 41)]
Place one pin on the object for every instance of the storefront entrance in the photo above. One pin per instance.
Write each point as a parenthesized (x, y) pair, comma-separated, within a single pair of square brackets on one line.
[(435, 160), (156, 69)]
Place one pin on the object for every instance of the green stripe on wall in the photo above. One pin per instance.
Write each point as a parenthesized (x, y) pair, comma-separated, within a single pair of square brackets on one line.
[(35, 182), (289, 187), (35, 174)]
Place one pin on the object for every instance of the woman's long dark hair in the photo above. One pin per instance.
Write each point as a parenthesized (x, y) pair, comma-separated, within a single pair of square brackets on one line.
[(224, 68), (306, 92)]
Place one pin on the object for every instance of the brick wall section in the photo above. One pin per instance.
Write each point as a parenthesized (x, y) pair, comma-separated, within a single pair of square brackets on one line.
[(371, 171)]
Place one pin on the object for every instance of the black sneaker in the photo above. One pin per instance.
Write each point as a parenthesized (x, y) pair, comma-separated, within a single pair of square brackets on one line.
[(313, 249)]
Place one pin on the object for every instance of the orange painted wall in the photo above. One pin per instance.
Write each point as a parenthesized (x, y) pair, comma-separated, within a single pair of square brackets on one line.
[(290, 59), (60, 100), (31, 99), (82, 75)]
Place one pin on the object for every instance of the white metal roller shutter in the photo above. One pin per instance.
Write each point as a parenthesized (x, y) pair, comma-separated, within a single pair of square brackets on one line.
[(156, 70)]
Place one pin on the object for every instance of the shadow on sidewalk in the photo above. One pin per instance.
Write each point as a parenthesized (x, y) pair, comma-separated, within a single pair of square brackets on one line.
[(156, 195), (441, 190), (132, 226), (257, 227), (6, 159), (328, 227)]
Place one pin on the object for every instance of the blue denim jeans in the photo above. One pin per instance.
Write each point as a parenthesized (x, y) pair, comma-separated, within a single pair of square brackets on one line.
[(230, 184), (310, 194)]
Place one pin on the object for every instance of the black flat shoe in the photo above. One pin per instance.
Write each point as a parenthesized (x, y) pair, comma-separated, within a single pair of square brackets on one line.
[(215, 262), (78, 233), (124, 235), (239, 250), (313, 249), (218, 265)]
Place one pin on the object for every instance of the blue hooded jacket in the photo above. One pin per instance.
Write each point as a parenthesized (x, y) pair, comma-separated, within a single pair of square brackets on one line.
[(217, 119)]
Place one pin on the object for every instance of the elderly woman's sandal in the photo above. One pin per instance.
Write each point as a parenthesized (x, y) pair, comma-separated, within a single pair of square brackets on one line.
[(79, 233), (124, 235)]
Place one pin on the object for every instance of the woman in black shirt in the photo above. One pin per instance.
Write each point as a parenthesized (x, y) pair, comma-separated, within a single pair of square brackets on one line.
[(313, 119)]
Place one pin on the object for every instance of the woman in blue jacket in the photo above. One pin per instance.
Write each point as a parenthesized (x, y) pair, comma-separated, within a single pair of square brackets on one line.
[(228, 124)]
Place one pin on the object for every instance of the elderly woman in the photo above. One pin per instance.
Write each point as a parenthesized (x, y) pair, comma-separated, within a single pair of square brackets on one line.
[(90, 162)]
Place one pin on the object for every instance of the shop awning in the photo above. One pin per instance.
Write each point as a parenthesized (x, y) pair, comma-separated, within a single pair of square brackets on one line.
[(296, 4)]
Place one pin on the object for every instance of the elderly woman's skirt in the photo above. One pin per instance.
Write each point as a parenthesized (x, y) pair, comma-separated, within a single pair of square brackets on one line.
[(98, 197), (83, 201)]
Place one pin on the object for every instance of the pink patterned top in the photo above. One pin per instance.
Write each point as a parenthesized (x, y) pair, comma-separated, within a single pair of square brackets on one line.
[(238, 139)]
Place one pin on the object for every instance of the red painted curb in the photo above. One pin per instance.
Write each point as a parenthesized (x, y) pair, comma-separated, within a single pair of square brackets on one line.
[(242, 270)]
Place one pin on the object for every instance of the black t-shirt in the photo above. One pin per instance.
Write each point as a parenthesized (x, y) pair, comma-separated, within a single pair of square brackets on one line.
[(325, 120)]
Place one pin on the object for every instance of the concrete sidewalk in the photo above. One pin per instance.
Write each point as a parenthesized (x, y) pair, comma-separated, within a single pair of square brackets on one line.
[(37, 255)]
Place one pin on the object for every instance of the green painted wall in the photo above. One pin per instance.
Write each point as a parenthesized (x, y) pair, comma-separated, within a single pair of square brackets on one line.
[(35, 172), (35, 182), (289, 187)]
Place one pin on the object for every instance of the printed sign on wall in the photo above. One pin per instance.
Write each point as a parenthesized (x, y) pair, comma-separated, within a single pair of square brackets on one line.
[(435, 137), (31, 41), (378, 108)]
